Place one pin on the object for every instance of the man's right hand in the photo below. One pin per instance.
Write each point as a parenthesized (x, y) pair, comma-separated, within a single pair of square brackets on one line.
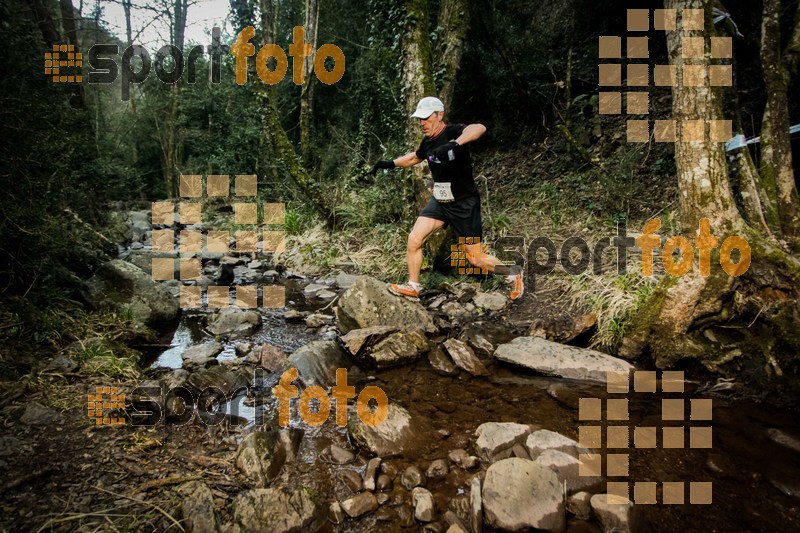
[(382, 164)]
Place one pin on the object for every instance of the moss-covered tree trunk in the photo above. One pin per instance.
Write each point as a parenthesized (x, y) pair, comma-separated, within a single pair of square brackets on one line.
[(418, 82), (710, 318), (453, 18), (776, 164), (309, 80)]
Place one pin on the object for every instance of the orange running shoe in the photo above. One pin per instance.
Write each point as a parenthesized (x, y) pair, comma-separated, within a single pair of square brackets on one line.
[(404, 290), (517, 287)]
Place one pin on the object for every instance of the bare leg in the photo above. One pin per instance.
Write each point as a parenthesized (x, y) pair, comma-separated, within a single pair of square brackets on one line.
[(423, 228), (483, 260)]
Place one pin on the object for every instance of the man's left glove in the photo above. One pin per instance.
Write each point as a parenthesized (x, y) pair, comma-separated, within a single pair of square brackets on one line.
[(382, 164), (445, 152)]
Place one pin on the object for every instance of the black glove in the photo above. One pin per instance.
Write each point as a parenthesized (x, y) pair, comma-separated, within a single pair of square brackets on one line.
[(382, 164), (445, 153)]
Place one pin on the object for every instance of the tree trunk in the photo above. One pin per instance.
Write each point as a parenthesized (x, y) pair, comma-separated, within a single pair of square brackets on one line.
[(309, 81), (743, 325), (776, 146), (418, 80), (276, 135), (453, 19), (45, 22)]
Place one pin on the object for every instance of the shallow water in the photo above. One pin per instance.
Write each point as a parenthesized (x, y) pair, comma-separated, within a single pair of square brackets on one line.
[(752, 475)]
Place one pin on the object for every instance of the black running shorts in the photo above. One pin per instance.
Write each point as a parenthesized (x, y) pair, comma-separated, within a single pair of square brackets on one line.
[(463, 215)]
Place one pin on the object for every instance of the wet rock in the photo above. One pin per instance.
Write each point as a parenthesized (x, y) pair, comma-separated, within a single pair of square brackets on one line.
[(438, 468), (293, 315), (443, 433), (360, 504), (270, 358), (261, 457), (479, 343), (290, 439), (520, 494), (464, 357), (614, 512), (202, 355), (340, 456), (276, 511), (442, 363), (384, 483), (352, 479), (37, 414), (475, 505), (579, 504), (493, 301), (312, 289), (382, 498), (455, 528), (368, 303), (325, 294), (198, 507), (544, 439), (566, 468), (176, 378), (496, 439), (336, 513), (463, 459), (424, 509), (345, 281), (391, 437), (452, 520), (412, 477), (318, 361), (359, 340), (119, 285), (786, 440), (317, 320), (560, 360), (405, 516), (219, 380), (518, 450), (234, 322), (397, 349), (243, 348), (61, 364), (231, 260), (564, 394), (436, 302), (370, 472), (453, 310), (389, 469)]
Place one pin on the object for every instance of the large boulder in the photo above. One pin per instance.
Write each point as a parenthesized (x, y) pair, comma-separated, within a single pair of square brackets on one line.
[(318, 361), (198, 508), (519, 494), (393, 436), (201, 355), (556, 359), (368, 303), (496, 439), (234, 322), (567, 468), (218, 380), (261, 456), (544, 439), (277, 511), (119, 285)]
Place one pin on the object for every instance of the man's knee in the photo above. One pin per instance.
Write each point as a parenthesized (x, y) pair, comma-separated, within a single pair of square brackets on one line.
[(415, 241)]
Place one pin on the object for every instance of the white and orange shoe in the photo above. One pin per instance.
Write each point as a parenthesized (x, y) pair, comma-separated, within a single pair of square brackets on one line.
[(407, 290), (517, 286)]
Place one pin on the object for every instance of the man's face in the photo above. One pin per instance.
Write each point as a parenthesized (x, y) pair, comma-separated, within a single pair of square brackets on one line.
[(430, 125)]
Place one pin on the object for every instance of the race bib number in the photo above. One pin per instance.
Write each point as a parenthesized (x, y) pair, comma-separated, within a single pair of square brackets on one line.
[(442, 192)]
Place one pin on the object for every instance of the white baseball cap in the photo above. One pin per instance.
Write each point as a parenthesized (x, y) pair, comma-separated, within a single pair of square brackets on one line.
[(428, 106)]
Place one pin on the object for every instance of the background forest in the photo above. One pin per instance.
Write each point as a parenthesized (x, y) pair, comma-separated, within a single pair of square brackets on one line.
[(550, 165)]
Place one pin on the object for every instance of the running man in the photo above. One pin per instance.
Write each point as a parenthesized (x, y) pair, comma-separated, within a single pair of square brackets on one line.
[(455, 199)]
